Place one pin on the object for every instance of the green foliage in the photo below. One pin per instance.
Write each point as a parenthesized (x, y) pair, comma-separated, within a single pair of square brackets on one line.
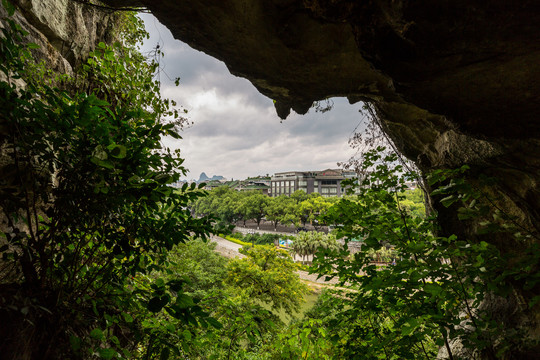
[(267, 275), (310, 242), (188, 289), (241, 314), (305, 340), (309, 209), (435, 290), (255, 239), (281, 209), (413, 202), (253, 206), (87, 198), (262, 239), (229, 206), (222, 204)]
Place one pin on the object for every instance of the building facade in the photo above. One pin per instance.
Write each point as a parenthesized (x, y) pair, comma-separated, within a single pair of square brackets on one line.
[(326, 182)]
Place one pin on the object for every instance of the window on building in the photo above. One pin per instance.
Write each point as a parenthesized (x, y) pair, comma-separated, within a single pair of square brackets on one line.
[(315, 190), (302, 183), (316, 182), (332, 190), (328, 182), (324, 191)]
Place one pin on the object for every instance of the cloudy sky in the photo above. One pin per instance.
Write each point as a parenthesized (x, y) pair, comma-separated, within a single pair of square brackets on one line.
[(236, 132)]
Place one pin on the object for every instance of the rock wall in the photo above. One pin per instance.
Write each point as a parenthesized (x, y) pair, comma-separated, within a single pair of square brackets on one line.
[(65, 30)]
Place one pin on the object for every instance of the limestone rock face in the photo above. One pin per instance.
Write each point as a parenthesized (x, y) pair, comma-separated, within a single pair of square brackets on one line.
[(466, 60), (65, 30)]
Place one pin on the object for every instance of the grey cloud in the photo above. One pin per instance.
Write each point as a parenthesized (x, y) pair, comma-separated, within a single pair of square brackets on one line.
[(236, 132)]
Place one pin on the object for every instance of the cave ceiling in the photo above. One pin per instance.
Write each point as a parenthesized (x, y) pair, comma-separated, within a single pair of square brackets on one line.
[(470, 67)]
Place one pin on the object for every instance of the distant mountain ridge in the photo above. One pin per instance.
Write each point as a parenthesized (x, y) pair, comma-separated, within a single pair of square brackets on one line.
[(203, 177)]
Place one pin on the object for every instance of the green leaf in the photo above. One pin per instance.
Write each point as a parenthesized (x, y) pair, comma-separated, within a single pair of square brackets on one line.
[(176, 285), (449, 200), (215, 323), (186, 334), (432, 288), (410, 326), (534, 301), (75, 343), (156, 304), (127, 317), (184, 301), (107, 353), (117, 151), (96, 334)]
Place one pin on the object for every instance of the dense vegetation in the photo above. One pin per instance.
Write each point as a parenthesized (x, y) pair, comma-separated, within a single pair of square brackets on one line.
[(102, 259), (86, 203), (228, 207)]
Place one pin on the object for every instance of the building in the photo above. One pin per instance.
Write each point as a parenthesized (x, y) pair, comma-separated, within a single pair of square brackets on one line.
[(261, 185), (326, 182)]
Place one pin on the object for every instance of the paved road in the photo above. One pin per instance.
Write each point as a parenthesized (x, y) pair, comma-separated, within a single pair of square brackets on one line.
[(230, 250), (226, 248)]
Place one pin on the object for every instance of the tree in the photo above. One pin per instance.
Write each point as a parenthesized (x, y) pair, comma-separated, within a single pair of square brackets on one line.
[(298, 196), (414, 202), (277, 209), (309, 242), (222, 203), (312, 207), (437, 289), (267, 275), (254, 206), (290, 213)]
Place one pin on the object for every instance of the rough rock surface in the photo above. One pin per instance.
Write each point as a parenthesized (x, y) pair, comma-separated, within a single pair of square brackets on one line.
[(66, 31)]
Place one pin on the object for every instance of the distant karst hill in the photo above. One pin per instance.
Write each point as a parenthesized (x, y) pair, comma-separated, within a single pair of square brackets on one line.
[(203, 177)]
